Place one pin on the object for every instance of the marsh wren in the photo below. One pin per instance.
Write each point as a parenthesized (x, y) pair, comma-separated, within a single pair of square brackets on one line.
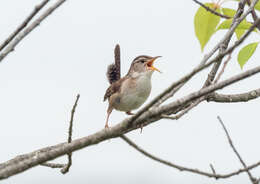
[(132, 90)]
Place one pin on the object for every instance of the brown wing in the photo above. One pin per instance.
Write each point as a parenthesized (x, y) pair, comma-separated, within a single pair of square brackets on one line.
[(113, 70), (114, 88)]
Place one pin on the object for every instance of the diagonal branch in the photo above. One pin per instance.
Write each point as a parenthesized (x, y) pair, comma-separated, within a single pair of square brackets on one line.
[(253, 13), (235, 150), (24, 24), (33, 25)]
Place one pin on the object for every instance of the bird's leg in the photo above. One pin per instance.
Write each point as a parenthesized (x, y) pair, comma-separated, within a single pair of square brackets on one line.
[(109, 110), (129, 113), (141, 128)]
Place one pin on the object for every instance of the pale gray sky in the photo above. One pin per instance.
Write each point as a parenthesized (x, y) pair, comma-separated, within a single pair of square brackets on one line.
[(69, 54)]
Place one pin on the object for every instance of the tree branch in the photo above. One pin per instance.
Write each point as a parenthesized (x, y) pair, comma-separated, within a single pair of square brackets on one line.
[(212, 10), (181, 168), (233, 98), (24, 24), (68, 165), (235, 150), (253, 13), (65, 167), (34, 24)]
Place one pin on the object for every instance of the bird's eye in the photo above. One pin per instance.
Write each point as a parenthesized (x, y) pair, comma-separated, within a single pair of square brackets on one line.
[(142, 61)]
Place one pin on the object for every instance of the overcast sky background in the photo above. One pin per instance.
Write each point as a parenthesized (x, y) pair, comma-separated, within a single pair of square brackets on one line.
[(69, 53)]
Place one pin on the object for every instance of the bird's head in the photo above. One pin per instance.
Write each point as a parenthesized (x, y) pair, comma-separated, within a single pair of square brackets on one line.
[(143, 65)]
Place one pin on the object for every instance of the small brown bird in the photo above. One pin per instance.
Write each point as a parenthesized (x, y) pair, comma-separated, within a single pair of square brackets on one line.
[(131, 91)]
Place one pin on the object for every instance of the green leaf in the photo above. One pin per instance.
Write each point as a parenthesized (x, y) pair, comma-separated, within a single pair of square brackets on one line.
[(245, 53), (257, 6), (228, 12), (240, 30), (227, 23), (239, 33), (205, 24)]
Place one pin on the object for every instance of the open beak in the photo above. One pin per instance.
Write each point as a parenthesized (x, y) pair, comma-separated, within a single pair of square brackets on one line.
[(150, 64)]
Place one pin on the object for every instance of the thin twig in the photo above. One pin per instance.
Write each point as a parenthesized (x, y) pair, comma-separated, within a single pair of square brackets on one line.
[(253, 13), (213, 169), (24, 24), (212, 10), (223, 68), (235, 150), (31, 27), (184, 111), (65, 169), (224, 45), (53, 165)]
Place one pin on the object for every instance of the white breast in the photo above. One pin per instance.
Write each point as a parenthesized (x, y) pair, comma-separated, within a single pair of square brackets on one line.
[(134, 94)]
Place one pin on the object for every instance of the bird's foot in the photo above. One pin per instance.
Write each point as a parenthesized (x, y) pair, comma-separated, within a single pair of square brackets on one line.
[(106, 126), (129, 113), (141, 128)]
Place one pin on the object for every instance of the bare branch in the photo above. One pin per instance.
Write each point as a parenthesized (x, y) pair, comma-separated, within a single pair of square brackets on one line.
[(212, 168), (232, 98), (225, 42), (34, 24), (223, 69), (212, 10), (68, 165), (235, 150), (184, 111), (253, 13), (53, 165), (181, 168), (24, 24)]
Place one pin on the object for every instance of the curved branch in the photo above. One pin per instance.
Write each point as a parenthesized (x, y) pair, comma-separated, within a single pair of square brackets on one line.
[(233, 98), (181, 168), (212, 10)]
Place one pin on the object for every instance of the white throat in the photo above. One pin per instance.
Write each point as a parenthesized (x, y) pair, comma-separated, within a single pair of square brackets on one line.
[(147, 74)]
